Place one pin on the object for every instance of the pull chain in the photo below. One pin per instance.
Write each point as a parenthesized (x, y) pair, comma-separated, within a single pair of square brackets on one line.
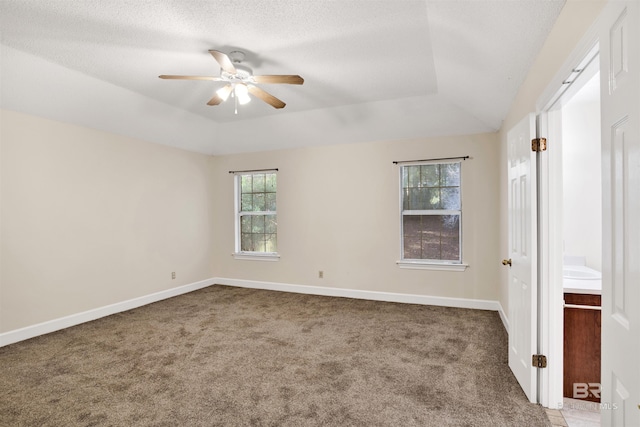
[(235, 98)]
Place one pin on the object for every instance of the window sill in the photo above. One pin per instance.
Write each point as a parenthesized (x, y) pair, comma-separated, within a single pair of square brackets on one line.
[(256, 256), (417, 265)]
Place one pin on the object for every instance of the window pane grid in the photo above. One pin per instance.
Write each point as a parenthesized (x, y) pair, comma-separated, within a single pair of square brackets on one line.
[(431, 237), (257, 213), (431, 212)]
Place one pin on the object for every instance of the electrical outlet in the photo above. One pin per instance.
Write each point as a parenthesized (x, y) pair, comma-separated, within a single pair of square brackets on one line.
[(173, 274), (320, 274)]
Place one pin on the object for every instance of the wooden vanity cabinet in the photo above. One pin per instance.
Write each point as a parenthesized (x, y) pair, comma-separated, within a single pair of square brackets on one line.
[(582, 330)]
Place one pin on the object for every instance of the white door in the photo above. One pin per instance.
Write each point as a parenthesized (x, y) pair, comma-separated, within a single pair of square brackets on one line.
[(522, 198), (620, 97)]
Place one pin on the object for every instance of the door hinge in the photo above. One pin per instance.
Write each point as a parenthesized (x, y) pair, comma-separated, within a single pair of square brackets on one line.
[(539, 361), (539, 144)]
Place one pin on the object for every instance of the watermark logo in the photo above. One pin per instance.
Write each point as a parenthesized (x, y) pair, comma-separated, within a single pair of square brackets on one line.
[(585, 390)]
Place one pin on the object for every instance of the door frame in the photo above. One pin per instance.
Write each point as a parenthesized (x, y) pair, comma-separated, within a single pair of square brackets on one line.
[(550, 251)]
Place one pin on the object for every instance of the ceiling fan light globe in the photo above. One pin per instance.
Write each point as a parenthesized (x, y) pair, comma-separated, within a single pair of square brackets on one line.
[(223, 93), (241, 90), (242, 93), (244, 99)]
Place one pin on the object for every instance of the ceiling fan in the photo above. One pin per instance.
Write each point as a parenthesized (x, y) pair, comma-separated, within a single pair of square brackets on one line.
[(240, 81)]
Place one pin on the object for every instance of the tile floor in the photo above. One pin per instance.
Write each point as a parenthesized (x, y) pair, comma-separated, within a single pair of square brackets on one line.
[(575, 413)]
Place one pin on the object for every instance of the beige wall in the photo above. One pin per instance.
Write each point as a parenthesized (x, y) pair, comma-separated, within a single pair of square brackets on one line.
[(574, 20), (338, 212), (91, 218)]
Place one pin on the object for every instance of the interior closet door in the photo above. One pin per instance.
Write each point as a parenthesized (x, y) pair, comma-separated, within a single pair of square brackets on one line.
[(522, 262), (620, 96)]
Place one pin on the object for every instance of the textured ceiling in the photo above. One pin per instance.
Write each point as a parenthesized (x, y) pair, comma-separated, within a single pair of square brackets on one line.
[(373, 70)]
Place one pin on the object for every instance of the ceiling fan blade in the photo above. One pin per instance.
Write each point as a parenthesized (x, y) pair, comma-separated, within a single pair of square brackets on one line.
[(215, 79), (224, 61), (221, 95), (286, 79), (266, 97)]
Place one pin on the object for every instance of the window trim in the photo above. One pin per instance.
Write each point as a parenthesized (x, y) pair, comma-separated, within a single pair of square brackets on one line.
[(257, 256), (429, 264), (238, 253)]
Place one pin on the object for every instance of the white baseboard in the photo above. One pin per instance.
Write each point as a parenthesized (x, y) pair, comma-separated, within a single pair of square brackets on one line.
[(86, 316), (503, 317), (371, 295)]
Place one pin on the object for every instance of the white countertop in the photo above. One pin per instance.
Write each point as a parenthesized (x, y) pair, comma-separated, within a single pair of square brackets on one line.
[(592, 287)]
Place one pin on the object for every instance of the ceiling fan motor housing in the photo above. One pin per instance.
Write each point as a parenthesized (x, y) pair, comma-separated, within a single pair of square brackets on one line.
[(243, 73)]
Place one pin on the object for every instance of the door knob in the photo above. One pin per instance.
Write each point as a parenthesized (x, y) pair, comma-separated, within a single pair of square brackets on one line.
[(506, 262)]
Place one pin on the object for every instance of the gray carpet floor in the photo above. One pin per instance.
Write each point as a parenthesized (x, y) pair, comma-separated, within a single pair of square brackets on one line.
[(225, 356)]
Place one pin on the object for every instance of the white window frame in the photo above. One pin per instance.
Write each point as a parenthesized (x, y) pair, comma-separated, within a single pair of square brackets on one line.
[(430, 264), (238, 253)]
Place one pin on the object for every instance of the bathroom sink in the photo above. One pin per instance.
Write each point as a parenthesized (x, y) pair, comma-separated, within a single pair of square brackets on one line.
[(580, 272), (582, 280)]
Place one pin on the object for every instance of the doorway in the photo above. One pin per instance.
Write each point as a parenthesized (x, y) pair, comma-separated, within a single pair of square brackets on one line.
[(570, 226), (582, 250)]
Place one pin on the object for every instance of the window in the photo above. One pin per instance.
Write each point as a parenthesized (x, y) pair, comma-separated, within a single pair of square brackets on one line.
[(256, 220), (431, 214)]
